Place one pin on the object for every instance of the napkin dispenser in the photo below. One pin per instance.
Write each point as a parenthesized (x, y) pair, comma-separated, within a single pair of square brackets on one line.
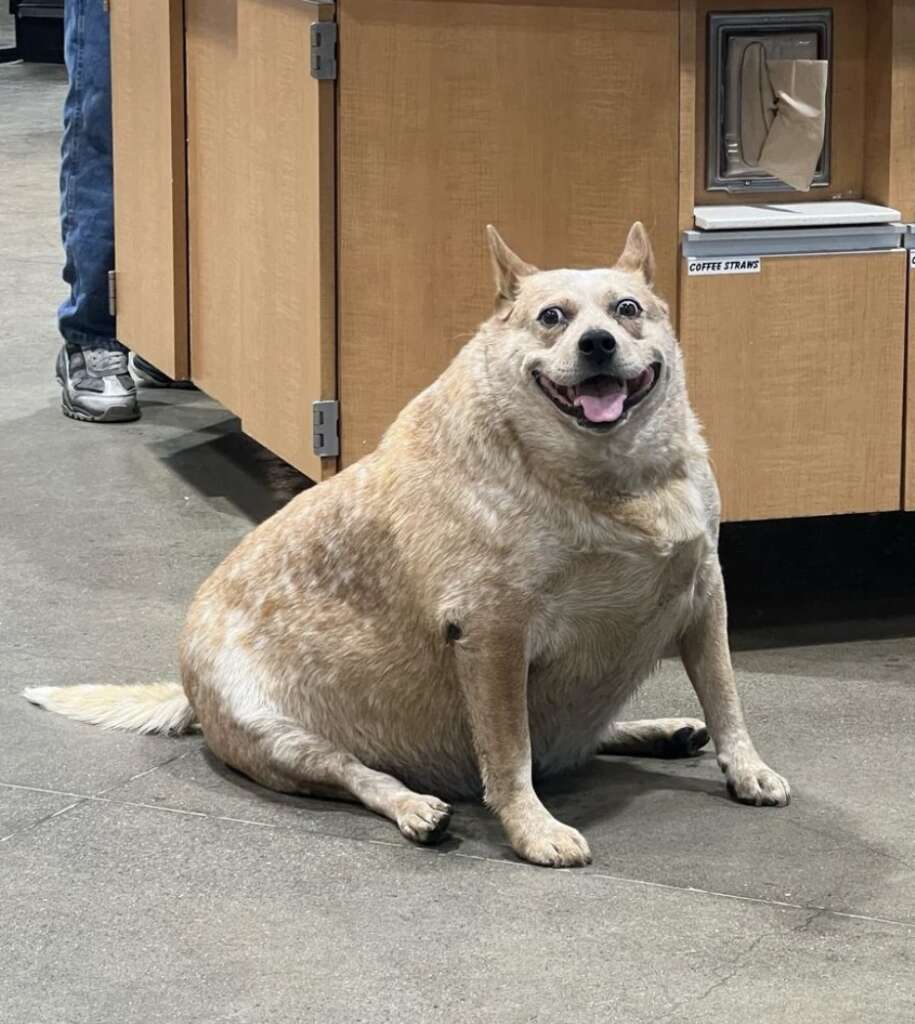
[(769, 101)]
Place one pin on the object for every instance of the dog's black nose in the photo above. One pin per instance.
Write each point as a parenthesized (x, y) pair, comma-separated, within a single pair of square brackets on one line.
[(597, 346)]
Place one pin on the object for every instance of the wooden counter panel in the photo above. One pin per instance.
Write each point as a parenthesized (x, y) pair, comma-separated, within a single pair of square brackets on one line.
[(261, 211), (147, 70), (889, 168), (557, 123), (910, 401), (288, 245), (797, 376), (849, 98), (902, 160), (215, 198)]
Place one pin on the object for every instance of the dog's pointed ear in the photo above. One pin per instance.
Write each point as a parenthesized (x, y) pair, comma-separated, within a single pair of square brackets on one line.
[(638, 256), (507, 266)]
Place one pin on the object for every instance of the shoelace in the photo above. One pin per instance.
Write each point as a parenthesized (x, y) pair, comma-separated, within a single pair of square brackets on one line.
[(102, 362)]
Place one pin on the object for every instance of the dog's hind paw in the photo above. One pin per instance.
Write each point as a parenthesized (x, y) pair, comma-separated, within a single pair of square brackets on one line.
[(424, 819), (685, 741)]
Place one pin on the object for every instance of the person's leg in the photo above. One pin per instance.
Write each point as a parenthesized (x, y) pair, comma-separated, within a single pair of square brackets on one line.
[(92, 365)]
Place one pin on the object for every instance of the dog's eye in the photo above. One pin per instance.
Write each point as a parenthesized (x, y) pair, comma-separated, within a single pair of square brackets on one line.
[(628, 308), (552, 317)]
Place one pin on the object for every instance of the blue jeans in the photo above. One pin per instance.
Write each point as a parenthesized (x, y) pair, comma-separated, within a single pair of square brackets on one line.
[(86, 188)]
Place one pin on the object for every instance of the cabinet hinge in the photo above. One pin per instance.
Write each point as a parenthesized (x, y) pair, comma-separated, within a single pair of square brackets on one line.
[(112, 293), (324, 50), (326, 430)]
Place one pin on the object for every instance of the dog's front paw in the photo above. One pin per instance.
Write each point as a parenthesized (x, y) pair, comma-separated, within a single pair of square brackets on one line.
[(755, 783), (552, 845), (424, 819)]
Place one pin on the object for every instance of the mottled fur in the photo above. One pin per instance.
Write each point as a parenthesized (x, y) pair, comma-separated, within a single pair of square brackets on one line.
[(473, 603)]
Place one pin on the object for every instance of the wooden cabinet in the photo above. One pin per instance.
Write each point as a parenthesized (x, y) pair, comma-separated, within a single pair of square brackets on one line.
[(215, 197), (909, 496), (830, 439), (147, 71), (797, 374)]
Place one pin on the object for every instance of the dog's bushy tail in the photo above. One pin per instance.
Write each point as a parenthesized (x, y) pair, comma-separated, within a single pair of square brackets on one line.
[(148, 708)]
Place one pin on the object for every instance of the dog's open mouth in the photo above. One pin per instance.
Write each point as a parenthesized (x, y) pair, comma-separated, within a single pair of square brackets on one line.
[(603, 401)]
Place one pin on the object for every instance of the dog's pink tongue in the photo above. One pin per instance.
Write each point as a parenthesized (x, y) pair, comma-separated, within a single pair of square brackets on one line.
[(601, 400)]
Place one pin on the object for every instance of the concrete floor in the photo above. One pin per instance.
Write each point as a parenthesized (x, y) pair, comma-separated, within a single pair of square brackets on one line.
[(141, 882)]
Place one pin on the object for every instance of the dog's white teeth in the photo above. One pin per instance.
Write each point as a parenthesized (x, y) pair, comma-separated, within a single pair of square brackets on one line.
[(556, 391), (638, 384)]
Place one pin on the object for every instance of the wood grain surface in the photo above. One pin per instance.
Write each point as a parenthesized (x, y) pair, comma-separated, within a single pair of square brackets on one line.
[(797, 376)]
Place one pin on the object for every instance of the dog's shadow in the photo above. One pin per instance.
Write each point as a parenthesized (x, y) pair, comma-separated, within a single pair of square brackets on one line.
[(604, 788), (586, 798)]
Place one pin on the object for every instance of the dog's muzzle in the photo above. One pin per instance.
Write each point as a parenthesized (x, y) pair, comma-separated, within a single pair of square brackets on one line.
[(603, 401)]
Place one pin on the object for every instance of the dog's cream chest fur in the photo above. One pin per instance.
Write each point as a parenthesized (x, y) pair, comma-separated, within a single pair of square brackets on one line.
[(607, 616)]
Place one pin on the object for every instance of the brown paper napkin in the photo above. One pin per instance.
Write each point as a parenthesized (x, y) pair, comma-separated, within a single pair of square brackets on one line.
[(783, 115), (795, 140)]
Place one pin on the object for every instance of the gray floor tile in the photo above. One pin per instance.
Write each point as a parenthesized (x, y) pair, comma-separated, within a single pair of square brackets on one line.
[(46, 751), (33, 153), (39, 239), (30, 292), (132, 915), (7, 28), (33, 98), (110, 534)]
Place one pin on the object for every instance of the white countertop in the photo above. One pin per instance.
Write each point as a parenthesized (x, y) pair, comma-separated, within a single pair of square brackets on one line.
[(792, 215)]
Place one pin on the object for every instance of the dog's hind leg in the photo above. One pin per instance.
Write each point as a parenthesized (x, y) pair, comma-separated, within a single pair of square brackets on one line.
[(278, 753), (655, 737)]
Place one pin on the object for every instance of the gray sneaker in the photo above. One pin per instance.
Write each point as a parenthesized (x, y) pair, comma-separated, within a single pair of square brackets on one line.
[(95, 385)]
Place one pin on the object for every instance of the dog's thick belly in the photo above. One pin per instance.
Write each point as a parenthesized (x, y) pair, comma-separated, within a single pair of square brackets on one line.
[(411, 725), (343, 650), (395, 702), (570, 716)]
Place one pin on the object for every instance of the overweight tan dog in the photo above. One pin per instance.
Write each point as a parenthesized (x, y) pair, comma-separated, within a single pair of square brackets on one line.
[(471, 605)]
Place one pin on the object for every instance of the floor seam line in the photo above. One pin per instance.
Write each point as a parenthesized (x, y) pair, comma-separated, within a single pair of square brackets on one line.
[(32, 261), (758, 900), (102, 793), (42, 821), (42, 789)]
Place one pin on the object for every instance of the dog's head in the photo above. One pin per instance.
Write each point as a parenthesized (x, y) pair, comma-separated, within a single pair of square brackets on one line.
[(591, 352)]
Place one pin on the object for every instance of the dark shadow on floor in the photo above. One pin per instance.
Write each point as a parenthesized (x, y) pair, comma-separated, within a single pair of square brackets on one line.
[(591, 795), (218, 460)]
